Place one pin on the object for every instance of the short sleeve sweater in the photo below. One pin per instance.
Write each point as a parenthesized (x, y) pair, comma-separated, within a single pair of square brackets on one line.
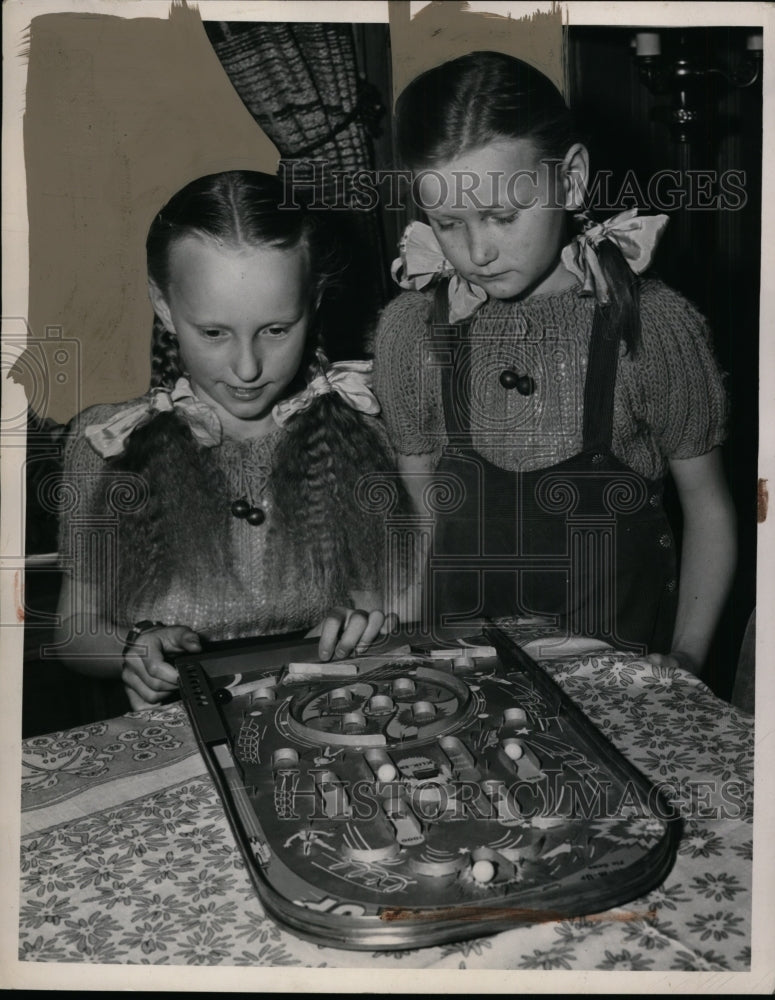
[(670, 400), (265, 596)]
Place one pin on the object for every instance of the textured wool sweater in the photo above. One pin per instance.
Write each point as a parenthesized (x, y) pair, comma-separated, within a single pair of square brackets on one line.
[(670, 400), (266, 595)]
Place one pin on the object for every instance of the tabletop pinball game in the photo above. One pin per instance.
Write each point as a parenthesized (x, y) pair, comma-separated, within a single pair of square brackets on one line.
[(420, 795)]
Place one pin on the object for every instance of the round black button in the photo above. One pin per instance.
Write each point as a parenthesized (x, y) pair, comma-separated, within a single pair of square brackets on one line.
[(524, 384), (240, 508), (256, 516)]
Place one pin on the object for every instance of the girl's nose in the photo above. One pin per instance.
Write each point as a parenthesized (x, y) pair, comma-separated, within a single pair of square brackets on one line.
[(481, 248), (247, 361)]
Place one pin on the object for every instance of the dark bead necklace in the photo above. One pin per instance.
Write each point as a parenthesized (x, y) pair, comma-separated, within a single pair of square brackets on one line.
[(245, 512), (524, 384), (249, 485)]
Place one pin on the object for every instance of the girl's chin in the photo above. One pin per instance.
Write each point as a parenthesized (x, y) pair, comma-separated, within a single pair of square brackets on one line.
[(245, 418), (253, 410), (506, 287), (510, 288)]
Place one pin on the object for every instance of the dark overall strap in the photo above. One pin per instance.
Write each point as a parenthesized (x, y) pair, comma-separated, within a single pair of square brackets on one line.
[(599, 387)]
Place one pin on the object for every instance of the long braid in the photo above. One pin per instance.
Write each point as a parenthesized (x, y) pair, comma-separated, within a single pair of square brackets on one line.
[(620, 318), (319, 465), (182, 533), (316, 483), (166, 368), (186, 496)]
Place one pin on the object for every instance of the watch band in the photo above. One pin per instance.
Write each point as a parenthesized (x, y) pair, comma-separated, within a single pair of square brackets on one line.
[(136, 631)]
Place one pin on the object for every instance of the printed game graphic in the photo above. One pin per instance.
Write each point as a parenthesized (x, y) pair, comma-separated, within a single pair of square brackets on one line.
[(423, 795)]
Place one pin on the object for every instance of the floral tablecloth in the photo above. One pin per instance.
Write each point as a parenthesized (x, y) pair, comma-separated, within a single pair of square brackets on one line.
[(127, 856)]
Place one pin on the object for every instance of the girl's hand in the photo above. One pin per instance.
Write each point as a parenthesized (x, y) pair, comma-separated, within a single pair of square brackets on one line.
[(345, 630), (147, 677), (681, 661)]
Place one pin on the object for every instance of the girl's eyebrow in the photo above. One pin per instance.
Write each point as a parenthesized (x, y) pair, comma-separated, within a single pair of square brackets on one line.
[(193, 320), (275, 321), (441, 216), (206, 324)]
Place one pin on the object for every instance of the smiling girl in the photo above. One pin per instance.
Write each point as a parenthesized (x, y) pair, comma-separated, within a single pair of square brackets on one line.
[(230, 490)]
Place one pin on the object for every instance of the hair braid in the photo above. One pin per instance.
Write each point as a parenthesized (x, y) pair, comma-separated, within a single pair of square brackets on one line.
[(621, 316), (318, 467), (166, 368), (187, 500), (319, 485)]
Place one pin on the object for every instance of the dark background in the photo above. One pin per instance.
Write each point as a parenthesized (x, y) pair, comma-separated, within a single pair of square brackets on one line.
[(711, 256)]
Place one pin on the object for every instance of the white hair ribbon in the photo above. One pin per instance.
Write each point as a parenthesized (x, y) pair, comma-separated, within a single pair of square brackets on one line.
[(636, 238), (422, 261), (109, 438), (349, 379)]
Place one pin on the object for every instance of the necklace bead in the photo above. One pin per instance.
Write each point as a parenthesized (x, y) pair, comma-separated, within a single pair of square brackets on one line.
[(256, 516), (524, 384), (240, 508)]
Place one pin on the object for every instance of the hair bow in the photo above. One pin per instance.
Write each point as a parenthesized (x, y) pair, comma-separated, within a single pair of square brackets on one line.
[(109, 439), (422, 261), (349, 379), (636, 238)]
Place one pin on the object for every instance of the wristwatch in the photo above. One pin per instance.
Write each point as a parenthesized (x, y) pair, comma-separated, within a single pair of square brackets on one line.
[(135, 632)]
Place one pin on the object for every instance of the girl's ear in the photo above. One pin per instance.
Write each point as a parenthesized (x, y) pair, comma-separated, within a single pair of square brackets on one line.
[(575, 172), (159, 304)]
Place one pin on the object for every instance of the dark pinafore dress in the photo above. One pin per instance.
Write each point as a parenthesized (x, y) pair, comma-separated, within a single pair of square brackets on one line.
[(586, 541)]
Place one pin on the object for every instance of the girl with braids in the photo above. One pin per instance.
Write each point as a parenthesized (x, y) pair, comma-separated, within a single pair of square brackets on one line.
[(548, 381), (244, 456)]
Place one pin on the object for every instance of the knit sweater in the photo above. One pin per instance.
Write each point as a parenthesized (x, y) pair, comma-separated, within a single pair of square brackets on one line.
[(267, 594), (670, 401)]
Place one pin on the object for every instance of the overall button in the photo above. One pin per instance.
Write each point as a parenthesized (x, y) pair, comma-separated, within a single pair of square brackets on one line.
[(524, 384), (653, 500), (598, 458), (671, 585), (665, 541)]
